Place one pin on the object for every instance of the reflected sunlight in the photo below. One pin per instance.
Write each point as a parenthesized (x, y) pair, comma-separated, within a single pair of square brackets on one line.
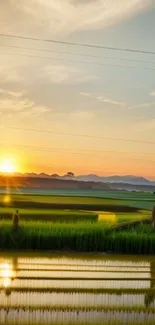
[(107, 216), (7, 199), (7, 275)]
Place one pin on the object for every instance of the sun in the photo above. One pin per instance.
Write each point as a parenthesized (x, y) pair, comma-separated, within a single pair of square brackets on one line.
[(7, 166)]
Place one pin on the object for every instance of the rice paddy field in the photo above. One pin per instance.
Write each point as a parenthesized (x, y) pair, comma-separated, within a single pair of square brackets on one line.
[(88, 284), (84, 224), (50, 288), (119, 207), (78, 237)]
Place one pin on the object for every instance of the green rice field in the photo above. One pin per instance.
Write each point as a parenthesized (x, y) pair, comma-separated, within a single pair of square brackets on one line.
[(49, 288), (89, 285), (69, 209), (82, 237), (74, 223)]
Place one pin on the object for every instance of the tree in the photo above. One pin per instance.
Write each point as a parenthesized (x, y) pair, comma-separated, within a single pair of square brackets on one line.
[(70, 174)]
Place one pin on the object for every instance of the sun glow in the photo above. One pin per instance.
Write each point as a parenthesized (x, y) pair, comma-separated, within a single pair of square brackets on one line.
[(7, 166)]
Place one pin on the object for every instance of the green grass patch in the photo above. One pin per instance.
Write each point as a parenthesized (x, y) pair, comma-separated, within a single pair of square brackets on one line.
[(50, 215), (67, 215), (89, 203), (82, 237)]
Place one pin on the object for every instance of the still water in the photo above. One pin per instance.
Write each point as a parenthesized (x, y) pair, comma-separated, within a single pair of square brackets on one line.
[(76, 289)]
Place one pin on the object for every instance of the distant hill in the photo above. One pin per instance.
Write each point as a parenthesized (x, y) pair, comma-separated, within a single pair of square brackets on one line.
[(116, 179), (70, 181), (49, 183), (126, 179), (132, 187)]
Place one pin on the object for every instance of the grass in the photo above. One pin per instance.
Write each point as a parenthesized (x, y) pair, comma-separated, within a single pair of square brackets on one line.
[(68, 209), (39, 235), (50, 215), (73, 215), (82, 237), (94, 291), (137, 200), (77, 229), (68, 308), (39, 231)]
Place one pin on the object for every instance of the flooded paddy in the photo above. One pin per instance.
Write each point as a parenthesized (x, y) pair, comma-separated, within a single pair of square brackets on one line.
[(76, 289)]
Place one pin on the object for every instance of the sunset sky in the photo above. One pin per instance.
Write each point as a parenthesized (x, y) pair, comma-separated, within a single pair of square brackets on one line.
[(60, 98)]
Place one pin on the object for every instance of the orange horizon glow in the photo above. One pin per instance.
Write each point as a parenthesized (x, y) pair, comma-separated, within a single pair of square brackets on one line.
[(52, 164)]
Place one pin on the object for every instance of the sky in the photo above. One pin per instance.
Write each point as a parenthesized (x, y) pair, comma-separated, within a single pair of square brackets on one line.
[(74, 108)]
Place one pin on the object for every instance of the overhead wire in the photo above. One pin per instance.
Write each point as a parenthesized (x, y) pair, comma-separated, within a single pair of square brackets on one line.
[(77, 44), (62, 150), (83, 62), (76, 54), (80, 62), (78, 135), (85, 150)]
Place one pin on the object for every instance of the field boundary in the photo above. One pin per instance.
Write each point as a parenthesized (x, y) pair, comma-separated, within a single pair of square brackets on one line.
[(126, 225)]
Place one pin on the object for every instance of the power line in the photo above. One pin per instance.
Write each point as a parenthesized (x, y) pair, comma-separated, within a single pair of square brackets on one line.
[(42, 149), (76, 54), (39, 148), (78, 44), (81, 62), (78, 135)]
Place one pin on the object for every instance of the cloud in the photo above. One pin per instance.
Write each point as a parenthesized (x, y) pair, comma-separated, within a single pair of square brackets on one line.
[(34, 111), (152, 93), (104, 99), (85, 94), (110, 101), (65, 74), (11, 94), (10, 74), (60, 73), (143, 105), (15, 103), (45, 81), (59, 17)]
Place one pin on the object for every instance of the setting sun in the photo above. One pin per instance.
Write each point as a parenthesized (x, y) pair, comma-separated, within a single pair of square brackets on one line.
[(7, 166)]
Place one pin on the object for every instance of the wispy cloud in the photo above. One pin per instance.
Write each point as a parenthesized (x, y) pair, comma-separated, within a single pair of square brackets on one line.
[(66, 74), (142, 105), (60, 73), (12, 94), (12, 103), (65, 16), (110, 101), (104, 99), (85, 94), (10, 74)]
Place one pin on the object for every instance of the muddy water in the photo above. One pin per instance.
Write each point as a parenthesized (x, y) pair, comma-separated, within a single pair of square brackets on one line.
[(76, 289)]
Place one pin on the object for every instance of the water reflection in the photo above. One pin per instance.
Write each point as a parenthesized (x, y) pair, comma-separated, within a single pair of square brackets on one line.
[(8, 274), (150, 297), (27, 267)]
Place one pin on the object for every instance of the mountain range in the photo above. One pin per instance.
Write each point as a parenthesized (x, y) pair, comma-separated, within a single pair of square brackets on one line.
[(126, 179)]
